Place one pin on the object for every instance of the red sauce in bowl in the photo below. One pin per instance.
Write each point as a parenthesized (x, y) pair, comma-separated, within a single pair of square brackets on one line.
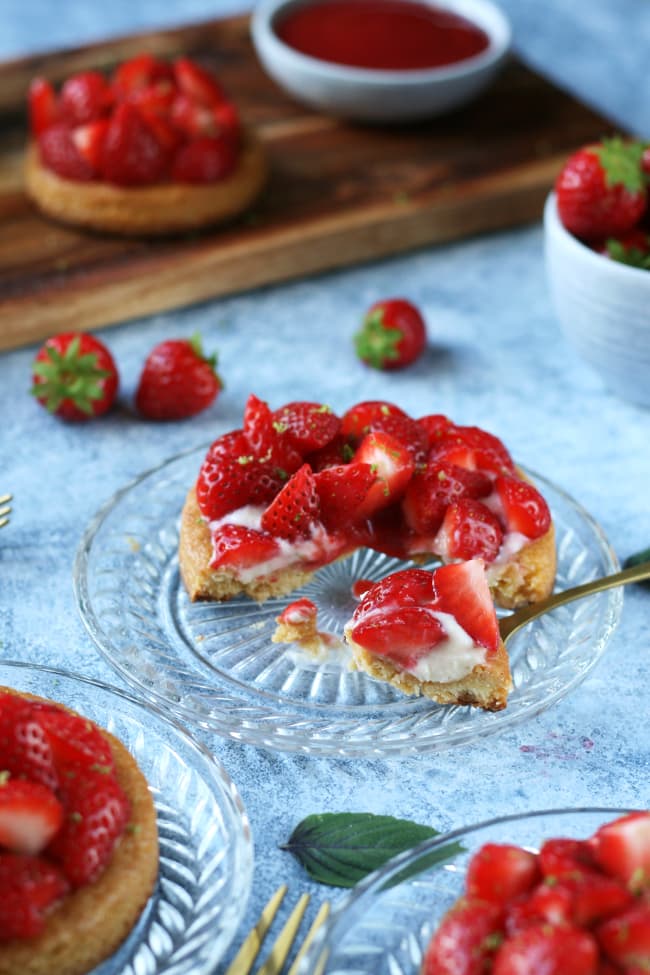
[(393, 35)]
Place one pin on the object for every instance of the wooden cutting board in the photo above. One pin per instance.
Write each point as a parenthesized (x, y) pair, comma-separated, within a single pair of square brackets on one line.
[(338, 194)]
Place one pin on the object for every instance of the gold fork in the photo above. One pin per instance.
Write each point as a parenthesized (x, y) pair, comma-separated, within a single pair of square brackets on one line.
[(5, 509), (243, 962), (510, 624)]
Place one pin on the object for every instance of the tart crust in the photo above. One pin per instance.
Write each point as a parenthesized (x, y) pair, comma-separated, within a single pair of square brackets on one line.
[(163, 208), (90, 923)]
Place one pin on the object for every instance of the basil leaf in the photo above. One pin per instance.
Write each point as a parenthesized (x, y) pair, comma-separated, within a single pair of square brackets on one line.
[(339, 849)]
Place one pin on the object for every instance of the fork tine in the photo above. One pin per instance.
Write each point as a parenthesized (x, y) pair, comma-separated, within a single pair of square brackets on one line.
[(5, 510), (242, 963), (275, 962), (316, 923)]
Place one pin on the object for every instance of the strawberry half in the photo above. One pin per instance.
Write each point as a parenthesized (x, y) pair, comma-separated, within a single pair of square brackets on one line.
[(205, 159), (43, 106), (466, 940), (25, 749), (30, 815), (30, 886), (85, 98), (374, 416), (223, 485), (622, 849), (75, 742), (59, 153), (433, 488), (469, 530), (472, 448), (197, 83), (89, 141), (547, 949), (393, 466), (132, 155), (138, 73), (294, 511), (462, 590), (498, 872), (402, 635), (524, 508), (240, 546), (310, 426), (625, 939), (269, 440), (342, 492)]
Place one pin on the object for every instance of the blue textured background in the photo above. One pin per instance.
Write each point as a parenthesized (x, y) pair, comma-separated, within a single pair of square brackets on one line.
[(496, 357)]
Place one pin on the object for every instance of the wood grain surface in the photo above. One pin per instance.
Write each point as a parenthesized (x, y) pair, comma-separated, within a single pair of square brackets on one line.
[(338, 194)]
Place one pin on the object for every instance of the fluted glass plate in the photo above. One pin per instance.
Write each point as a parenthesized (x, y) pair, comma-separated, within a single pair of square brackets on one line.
[(384, 925), (214, 663), (206, 857)]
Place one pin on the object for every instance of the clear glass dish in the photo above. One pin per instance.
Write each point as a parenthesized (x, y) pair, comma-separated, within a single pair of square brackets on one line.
[(214, 663), (206, 854), (385, 924)]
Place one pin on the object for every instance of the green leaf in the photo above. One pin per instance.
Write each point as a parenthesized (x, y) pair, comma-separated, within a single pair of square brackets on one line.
[(339, 849)]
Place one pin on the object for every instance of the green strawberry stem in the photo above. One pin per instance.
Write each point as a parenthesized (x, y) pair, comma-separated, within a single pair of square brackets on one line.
[(69, 376), (376, 344)]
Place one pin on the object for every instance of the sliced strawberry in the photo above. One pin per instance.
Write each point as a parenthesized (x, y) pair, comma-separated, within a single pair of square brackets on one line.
[(595, 897), (407, 587), (191, 119), (24, 747), (544, 905), (474, 449), (76, 743), (625, 938), (96, 814), (469, 530), (140, 72), (30, 815), (206, 159), (376, 416), (132, 155), (31, 886), (268, 441), (433, 488), (560, 858), (310, 426), (434, 426), (223, 485), (302, 610), (499, 872), (165, 133), (89, 142), (43, 106), (393, 466), (295, 510), (465, 941), (546, 949), (402, 635), (197, 83), (155, 98), (342, 492), (59, 153), (85, 98), (524, 508), (462, 590), (239, 546), (338, 451), (622, 849)]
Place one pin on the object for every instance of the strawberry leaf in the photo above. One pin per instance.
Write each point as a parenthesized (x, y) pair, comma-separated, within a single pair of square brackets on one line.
[(339, 849)]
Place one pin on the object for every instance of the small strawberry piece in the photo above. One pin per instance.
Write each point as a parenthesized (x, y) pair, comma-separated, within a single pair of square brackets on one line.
[(560, 858), (206, 159), (342, 492), (300, 611), (404, 635), (269, 441), (465, 941), (377, 416), (59, 153), (432, 489), (474, 449), (197, 83), (295, 509), (546, 949), (524, 508), (31, 886), (75, 376), (96, 814), (601, 189), (393, 335), (24, 747), (30, 815), (240, 546), (462, 590), (310, 426), (434, 425), (177, 380), (132, 155), (622, 849), (84, 98), (469, 530), (544, 905), (625, 938), (43, 106), (499, 872), (407, 587), (138, 73), (393, 465), (89, 142)]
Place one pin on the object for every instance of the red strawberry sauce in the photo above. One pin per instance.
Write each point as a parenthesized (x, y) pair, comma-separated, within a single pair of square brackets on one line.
[(395, 35)]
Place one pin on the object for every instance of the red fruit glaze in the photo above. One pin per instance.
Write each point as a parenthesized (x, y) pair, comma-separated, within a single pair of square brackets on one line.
[(392, 336)]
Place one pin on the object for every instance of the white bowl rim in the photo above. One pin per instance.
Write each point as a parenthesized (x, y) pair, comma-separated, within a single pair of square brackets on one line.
[(581, 251), (499, 34)]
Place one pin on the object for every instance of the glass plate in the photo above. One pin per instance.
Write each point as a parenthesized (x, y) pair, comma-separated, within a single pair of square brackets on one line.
[(385, 924), (206, 856), (214, 663)]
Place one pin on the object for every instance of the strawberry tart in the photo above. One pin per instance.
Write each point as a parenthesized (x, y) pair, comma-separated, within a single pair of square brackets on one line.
[(435, 634), (575, 906), (157, 148), (78, 840), (297, 487)]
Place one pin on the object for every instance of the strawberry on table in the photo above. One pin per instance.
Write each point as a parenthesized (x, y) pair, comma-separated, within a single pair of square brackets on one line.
[(74, 376), (30, 815), (31, 886), (601, 190), (177, 380), (393, 334)]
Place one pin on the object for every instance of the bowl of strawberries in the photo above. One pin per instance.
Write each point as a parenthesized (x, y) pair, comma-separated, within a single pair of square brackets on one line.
[(597, 249), (558, 892)]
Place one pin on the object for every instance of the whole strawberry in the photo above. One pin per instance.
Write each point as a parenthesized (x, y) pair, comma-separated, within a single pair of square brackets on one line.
[(177, 380), (393, 335), (74, 376), (601, 190)]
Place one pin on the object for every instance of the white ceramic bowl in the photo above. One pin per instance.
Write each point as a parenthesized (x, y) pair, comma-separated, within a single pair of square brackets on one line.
[(603, 307), (381, 96)]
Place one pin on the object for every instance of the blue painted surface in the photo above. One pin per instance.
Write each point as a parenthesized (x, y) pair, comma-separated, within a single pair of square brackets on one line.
[(496, 357)]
